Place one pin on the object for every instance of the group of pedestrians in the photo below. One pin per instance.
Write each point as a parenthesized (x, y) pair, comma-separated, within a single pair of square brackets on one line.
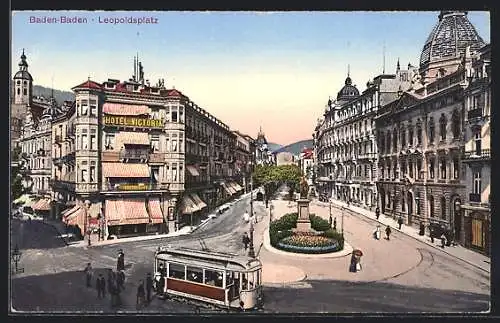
[(144, 293)]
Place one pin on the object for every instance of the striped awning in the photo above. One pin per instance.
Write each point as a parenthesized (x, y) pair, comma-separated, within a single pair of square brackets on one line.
[(75, 217), (125, 170), (41, 205), (237, 186), (188, 206), (227, 189), (131, 138), (126, 211), (192, 170), (155, 211), (199, 202), (70, 210), (125, 109)]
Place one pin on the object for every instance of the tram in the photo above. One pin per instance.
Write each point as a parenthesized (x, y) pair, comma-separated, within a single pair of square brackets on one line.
[(220, 279)]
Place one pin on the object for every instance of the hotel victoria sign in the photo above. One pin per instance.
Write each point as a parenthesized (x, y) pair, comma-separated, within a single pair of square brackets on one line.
[(127, 121)]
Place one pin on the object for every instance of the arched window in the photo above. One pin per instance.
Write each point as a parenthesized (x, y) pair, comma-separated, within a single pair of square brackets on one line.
[(442, 127), (403, 137), (18, 82), (388, 147), (431, 206), (443, 208), (455, 124), (25, 91), (395, 140), (419, 132), (410, 134), (18, 91), (431, 129)]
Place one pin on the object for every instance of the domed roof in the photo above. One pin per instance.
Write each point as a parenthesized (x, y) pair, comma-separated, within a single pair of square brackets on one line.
[(348, 92), (450, 37), (24, 75), (23, 69)]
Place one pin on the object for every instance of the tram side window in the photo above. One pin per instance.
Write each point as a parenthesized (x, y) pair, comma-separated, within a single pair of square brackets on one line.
[(176, 271), (213, 278), (195, 274), (249, 280), (230, 277), (161, 266)]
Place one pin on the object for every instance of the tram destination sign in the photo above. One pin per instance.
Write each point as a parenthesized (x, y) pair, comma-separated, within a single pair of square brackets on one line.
[(127, 121)]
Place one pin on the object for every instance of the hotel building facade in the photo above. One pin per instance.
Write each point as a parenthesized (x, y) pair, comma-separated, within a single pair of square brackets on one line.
[(140, 158)]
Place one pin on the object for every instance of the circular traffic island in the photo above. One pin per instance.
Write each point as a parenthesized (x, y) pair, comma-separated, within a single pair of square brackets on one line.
[(321, 240)]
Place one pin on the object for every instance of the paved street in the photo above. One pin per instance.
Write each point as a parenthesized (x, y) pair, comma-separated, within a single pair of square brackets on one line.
[(400, 275)]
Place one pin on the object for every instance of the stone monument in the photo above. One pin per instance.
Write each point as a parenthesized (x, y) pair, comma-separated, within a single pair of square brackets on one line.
[(303, 222)]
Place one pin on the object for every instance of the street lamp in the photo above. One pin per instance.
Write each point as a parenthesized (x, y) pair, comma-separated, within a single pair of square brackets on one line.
[(16, 257), (87, 220), (342, 224), (251, 251)]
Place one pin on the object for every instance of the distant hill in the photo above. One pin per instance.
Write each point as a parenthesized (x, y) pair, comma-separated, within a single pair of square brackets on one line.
[(297, 147), (59, 95), (272, 146)]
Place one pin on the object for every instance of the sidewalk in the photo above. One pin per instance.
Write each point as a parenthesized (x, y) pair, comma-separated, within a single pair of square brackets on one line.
[(473, 258)]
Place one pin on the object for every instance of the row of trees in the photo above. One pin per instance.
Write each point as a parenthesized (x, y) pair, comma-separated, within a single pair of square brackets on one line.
[(273, 176)]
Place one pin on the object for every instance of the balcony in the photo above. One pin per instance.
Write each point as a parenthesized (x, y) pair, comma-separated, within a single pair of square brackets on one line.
[(58, 185), (134, 187), (475, 113), (156, 158), (482, 154), (134, 155), (474, 197), (68, 158), (57, 161)]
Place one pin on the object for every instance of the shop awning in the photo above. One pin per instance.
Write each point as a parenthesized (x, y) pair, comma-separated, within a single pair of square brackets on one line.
[(68, 211), (233, 186), (125, 170), (126, 211), (192, 170), (41, 205), (188, 206), (155, 211), (23, 199), (75, 217), (199, 202), (227, 189), (125, 109), (237, 186), (131, 138)]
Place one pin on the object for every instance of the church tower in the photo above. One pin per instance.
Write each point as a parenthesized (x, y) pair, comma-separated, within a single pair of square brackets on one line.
[(23, 83)]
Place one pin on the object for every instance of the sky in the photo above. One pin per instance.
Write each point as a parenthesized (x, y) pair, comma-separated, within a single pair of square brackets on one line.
[(274, 70)]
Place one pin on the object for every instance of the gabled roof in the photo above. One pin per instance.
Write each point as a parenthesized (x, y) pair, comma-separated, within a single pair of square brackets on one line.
[(174, 93), (88, 85)]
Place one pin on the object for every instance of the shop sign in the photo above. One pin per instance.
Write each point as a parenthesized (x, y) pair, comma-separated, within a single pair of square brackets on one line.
[(127, 121)]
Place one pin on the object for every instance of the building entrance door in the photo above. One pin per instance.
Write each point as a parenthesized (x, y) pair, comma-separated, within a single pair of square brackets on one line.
[(410, 206), (477, 234)]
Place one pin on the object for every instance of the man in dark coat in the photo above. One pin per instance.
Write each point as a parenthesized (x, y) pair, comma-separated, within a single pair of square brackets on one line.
[(103, 285), (388, 232), (120, 263), (140, 294), (377, 212), (400, 222), (98, 286), (120, 279), (245, 240), (149, 286), (88, 274)]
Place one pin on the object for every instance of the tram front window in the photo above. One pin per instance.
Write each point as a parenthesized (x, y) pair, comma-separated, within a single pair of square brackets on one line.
[(213, 278), (250, 280), (161, 266), (176, 271), (195, 274)]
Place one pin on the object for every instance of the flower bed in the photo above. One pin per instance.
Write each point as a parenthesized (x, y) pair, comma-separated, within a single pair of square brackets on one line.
[(324, 240)]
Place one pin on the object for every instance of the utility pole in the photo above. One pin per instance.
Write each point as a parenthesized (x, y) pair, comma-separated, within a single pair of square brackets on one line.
[(251, 251)]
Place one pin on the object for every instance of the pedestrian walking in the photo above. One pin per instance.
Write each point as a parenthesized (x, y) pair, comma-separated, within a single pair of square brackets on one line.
[(120, 279), (388, 232), (335, 224), (242, 306), (245, 240), (352, 264), (400, 221), (98, 286), (377, 212), (330, 220), (140, 295), (103, 285), (88, 274), (149, 287), (376, 233), (120, 262), (98, 234), (443, 240)]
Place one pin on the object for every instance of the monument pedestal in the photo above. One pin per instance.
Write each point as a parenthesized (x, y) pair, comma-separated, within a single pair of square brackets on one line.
[(303, 222)]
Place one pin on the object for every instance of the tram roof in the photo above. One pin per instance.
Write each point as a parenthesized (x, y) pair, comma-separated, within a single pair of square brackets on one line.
[(208, 258)]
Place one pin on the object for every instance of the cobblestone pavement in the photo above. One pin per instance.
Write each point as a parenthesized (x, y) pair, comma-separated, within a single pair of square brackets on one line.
[(399, 275)]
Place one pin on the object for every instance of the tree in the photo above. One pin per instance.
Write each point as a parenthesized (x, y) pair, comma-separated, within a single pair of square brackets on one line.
[(16, 179)]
